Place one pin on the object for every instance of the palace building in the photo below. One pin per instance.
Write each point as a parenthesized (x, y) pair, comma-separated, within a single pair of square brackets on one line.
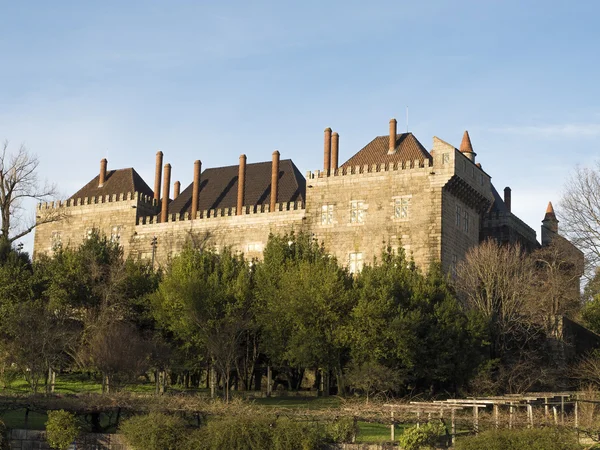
[(435, 204)]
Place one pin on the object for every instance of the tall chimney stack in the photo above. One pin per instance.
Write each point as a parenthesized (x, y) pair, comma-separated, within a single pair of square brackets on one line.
[(327, 151), (157, 175), (176, 189), (196, 187), (393, 133), (165, 200), (507, 193), (335, 149), (103, 164), (241, 184), (274, 180)]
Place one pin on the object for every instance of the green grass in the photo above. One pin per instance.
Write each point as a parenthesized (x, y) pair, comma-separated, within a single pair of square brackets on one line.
[(16, 419), (299, 402)]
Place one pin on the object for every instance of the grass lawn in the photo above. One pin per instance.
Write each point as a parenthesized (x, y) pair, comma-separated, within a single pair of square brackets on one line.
[(299, 402)]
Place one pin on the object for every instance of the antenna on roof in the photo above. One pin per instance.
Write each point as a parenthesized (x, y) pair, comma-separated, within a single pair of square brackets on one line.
[(407, 118)]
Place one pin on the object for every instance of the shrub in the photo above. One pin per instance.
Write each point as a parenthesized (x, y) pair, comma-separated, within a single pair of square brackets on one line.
[(531, 439), (154, 431), (61, 429), (295, 435), (240, 432), (342, 430), (426, 436)]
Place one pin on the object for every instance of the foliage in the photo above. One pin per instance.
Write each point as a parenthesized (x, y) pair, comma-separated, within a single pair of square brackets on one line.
[(372, 377), (342, 429), (303, 300), (413, 324), (61, 429), (206, 298), (245, 432), (154, 431), (424, 436), (531, 439)]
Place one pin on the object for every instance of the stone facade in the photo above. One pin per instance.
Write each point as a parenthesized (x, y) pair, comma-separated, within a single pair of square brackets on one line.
[(431, 206)]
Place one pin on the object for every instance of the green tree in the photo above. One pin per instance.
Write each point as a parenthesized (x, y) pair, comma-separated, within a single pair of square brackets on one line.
[(303, 298), (206, 298), (61, 429)]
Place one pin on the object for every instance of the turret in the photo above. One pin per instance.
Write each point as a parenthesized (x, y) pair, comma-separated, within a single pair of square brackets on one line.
[(466, 148), (549, 225)]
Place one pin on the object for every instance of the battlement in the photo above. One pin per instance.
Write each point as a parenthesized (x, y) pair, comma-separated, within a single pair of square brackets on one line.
[(223, 212), (96, 200), (416, 165)]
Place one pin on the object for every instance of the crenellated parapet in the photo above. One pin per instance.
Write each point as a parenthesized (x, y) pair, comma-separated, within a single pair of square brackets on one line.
[(416, 165), (251, 210), (129, 196)]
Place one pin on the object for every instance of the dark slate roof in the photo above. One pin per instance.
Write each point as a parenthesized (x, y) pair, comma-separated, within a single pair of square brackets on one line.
[(498, 204), (117, 182), (218, 187), (408, 148)]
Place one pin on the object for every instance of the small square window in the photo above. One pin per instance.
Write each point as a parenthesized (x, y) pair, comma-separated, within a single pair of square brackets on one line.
[(115, 233), (327, 215), (401, 208), (56, 240), (357, 212)]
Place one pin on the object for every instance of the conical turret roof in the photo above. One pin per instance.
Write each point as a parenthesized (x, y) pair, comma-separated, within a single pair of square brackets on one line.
[(465, 145)]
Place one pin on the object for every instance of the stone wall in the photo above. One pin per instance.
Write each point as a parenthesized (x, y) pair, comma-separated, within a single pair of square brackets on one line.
[(247, 233), (113, 216), (34, 440)]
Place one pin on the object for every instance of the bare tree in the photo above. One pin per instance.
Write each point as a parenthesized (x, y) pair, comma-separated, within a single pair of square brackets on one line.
[(497, 282), (19, 182), (579, 212)]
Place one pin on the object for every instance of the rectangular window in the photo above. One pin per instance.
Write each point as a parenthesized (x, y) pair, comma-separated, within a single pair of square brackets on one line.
[(255, 247), (327, 215), (466, 222), (56, 240), (115, 233), (445, 158), (401, 208), (481, 179), (355, 262), (458, 216), (357, 212)]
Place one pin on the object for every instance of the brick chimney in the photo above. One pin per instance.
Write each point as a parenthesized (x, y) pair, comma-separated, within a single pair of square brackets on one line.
[(335, 149), (176, 188), (241, 184), (327, 151), (507, 192), (157, 175), (103, 164), (196, 188), (393, 134), (165, 200), (274, 180)]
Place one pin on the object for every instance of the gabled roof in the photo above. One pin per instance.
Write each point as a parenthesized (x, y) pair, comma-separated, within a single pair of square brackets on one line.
[(117, 182), (219, 186), (408, 149)]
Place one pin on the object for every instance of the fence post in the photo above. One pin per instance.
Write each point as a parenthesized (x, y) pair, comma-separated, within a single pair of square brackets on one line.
[(576, 413), (476, 419), (496, 419), (510, 415), (562, 409), (555, 411), (453, 426), (392, 430), (546, 413)]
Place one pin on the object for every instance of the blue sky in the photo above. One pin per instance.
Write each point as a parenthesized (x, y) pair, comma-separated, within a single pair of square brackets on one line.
[(211, 80)]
